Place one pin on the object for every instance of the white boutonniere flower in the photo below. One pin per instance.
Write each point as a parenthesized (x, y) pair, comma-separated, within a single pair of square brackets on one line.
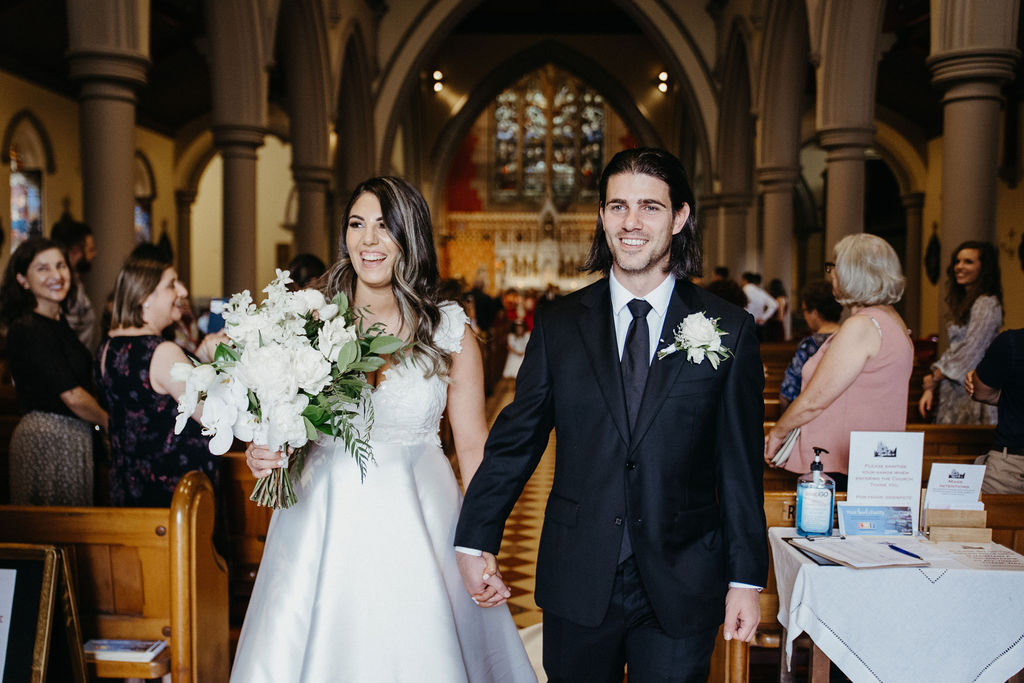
[(701, 338)]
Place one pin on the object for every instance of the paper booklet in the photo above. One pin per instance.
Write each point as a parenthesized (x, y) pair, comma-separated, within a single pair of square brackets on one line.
[(861, 552), (124, 650)]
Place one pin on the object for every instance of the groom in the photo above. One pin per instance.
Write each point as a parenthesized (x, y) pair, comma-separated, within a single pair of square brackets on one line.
[(654, 530)]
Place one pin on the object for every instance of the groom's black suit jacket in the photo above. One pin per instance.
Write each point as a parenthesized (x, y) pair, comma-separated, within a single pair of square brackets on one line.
[(687, 480)]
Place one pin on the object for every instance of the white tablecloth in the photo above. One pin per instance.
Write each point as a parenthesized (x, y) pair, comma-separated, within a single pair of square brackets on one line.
[(938, 623)]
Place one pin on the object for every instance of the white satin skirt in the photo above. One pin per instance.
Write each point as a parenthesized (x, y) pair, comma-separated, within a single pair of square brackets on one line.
[(359, 581)]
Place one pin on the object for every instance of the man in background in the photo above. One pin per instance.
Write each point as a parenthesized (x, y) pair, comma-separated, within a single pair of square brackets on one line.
[(76, 241), (760, 303)]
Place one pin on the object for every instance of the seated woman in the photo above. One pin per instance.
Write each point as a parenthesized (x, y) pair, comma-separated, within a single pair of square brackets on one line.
[(821, 313), (861, 372), (51, 452), (133, 369)]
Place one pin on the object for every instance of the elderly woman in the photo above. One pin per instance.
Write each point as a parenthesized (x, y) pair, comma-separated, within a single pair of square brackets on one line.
[(52, 447), (858, 379), (133, 369)]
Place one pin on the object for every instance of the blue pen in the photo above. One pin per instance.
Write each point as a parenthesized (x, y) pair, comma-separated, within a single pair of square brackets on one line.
[(905, 552)]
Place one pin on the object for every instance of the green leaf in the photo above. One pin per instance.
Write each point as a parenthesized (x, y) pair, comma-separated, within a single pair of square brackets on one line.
[(226, 353), (348, 354), (366, 365), (316, 414), (385, 345), (310, 428)]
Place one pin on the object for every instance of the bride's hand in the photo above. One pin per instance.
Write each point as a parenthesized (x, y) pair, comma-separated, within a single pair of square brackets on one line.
[(494, 591), (261, 460)]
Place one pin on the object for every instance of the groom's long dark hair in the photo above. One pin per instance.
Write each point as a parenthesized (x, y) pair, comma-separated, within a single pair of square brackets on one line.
[(686, 254)]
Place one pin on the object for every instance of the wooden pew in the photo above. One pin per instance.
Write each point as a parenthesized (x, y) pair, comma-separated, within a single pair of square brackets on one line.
[(144, 573), (1006, 519), (246, 527)]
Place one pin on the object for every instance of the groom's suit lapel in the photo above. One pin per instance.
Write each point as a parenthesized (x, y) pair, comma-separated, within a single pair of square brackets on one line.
[(597, 330), (665, 371)]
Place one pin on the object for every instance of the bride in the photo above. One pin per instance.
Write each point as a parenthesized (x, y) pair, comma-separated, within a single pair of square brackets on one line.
[(358, 580)]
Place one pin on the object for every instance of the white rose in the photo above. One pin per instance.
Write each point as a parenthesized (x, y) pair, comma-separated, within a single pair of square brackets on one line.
[(307, 300), (267, 370), (332, 336), (697, 330), (310, 368), (327, 312)]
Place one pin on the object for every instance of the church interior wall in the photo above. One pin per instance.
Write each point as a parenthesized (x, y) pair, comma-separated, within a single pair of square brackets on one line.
[(273, 186), (159, 151), (58, 117)]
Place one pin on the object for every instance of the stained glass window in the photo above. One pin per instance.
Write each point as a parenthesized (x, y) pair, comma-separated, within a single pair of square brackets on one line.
[(26, 202), (549, 138)]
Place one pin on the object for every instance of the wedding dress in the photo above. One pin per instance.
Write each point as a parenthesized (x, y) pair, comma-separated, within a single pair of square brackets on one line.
[(358, 580)]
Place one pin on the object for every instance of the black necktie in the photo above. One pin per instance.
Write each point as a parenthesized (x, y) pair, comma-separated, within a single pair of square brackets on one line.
[(636, 357)]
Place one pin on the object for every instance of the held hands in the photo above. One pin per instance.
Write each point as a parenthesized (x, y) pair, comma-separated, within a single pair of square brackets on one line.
[(482, 579), (261, 460), (742, 614)]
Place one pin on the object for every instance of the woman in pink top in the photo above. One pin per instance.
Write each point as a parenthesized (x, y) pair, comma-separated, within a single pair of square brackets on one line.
[(858, 380)]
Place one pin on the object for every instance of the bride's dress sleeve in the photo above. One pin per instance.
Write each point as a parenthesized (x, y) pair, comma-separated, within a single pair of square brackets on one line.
[(452, 328)]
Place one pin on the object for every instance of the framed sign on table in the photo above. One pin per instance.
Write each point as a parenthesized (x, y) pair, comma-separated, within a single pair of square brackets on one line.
[(35, 591)]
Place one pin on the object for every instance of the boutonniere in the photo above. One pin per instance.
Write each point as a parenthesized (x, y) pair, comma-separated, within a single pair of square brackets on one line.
[(700, 337)]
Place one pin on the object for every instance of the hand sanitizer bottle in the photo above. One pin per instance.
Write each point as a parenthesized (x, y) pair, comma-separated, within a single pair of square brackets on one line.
[(815, 497)]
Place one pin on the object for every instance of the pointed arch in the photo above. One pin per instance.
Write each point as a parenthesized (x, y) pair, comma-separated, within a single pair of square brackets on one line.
[(487, 89), (735, 158), (26, 128), (354, 154)]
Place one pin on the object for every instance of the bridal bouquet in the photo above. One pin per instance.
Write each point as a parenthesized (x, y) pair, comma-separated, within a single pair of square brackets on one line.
[(296, 366)]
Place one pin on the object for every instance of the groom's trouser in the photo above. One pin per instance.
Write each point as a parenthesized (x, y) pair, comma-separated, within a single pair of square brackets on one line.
[(630, 633)]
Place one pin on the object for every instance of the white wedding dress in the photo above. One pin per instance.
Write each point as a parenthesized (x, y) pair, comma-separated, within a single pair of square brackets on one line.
[(358, 580)]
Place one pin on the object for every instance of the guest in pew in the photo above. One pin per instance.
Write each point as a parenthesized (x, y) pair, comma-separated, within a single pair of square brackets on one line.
[(729, 290), (975, 306), (359, 580), (999, 380), (51, 451), (821, 313), (777, 328), (133, 370), (306, 271), (861, 372)]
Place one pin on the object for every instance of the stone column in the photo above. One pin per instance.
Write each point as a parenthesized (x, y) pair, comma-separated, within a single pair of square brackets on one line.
[(777, 185), (970, 142), (108, 56), (183, 200), (312, 233), (727, 221), (973, 54), (844, 47), (844, 182), (238, 147), (913, 202)]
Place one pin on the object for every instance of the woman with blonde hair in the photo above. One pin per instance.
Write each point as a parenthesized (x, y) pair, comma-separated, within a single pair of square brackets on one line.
[(858, 379)]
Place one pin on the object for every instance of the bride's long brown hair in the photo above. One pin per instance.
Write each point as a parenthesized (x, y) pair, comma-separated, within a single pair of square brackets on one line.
[(415, 277)]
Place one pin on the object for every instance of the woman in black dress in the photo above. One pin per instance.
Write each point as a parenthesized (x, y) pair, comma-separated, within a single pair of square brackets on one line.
[(51, 452), (133, 370)]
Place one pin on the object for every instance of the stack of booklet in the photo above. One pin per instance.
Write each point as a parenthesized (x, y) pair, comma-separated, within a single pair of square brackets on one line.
[(123, 650)]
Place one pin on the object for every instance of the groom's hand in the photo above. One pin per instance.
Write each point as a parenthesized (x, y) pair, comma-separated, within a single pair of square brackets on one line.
[(742, 614), (482, 579)]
